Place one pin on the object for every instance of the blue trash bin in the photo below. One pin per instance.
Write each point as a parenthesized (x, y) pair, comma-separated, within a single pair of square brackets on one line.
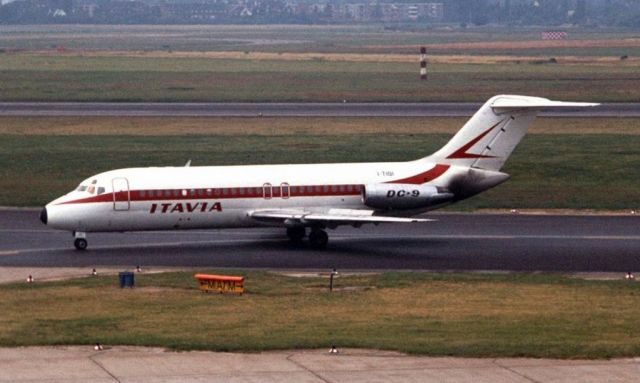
[(126, 279)]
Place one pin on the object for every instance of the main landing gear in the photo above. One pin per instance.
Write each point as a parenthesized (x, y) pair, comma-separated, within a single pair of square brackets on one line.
[(81, 241), (296, 234), (318, 238)]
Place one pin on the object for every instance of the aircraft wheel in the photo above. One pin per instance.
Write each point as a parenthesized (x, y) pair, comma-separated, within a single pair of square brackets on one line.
[(318, 239), (80, 244), (296, 234)]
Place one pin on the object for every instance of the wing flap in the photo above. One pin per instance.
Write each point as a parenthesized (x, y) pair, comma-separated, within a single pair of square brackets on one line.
[(336, 216)]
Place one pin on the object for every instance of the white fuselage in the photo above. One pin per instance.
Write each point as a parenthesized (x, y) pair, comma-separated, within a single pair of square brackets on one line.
[(224, 196), (300, 196)]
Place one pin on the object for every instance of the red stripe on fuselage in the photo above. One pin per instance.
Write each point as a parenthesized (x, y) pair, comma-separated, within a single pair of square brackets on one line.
[(252, 192), (421, 178), (224, 193)]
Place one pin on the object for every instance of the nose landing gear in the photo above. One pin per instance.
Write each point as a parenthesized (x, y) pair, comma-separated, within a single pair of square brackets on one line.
[(80, 242)]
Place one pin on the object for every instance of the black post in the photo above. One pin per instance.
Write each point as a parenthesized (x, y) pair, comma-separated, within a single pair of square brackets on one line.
[(333, 273)]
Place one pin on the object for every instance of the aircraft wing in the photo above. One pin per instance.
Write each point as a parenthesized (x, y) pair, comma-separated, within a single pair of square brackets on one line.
[(334, 217)]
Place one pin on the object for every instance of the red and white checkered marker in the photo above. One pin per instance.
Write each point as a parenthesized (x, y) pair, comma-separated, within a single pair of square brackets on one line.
[(554, 35)]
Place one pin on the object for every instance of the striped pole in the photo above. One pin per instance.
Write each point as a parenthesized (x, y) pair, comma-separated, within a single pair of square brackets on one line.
[(423, 63)]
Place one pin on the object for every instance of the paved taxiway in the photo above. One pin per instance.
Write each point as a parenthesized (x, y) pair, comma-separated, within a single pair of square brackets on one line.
[(435, 109), (134, 364), (454, 242)]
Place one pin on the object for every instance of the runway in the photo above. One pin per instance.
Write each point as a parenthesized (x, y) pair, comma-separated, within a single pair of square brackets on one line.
[(436, 109), (453, 242)]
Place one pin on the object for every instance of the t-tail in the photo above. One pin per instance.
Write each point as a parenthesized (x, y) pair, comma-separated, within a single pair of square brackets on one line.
[(483, 145)]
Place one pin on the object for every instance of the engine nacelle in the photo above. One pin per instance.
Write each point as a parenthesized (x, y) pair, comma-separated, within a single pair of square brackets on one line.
[(403, 196)]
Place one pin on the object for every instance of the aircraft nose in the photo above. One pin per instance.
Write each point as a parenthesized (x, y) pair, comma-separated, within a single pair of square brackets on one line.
[(43, 215)]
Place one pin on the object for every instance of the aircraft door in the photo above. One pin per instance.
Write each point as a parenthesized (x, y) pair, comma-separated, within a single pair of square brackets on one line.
[(121, 194), (285, 190), (267, 191)]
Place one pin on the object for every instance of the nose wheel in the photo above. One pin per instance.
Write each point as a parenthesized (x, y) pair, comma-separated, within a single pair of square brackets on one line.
[(318, 239), (80, 242)]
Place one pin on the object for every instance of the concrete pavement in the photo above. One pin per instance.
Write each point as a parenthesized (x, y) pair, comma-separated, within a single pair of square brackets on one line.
[(135, 364)]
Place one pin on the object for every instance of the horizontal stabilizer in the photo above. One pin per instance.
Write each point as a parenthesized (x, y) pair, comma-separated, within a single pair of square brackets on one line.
[(508, 103)]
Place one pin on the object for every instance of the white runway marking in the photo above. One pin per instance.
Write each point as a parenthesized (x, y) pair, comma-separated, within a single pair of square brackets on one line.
[(464, 236), (139, 245), (253, 233)]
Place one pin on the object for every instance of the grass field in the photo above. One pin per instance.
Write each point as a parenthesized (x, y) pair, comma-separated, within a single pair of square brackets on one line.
[(570, 168), (486, 315), (306, 38), (270, 126), (61, 77), (310, 63)]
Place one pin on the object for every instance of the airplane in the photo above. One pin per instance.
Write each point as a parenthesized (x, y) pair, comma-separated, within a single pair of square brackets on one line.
[(305, 199)]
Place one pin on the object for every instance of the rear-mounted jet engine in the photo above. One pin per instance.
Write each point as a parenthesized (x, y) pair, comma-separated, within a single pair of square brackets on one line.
[(403, 196)]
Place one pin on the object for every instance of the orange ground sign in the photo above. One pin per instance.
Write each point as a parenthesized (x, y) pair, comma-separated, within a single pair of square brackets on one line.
[(220, 283)]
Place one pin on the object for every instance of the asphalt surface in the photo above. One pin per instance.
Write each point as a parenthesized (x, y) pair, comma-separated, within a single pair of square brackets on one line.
[(286, 109), (453, 242)]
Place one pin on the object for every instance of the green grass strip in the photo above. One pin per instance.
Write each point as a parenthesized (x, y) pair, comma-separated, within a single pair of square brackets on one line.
[(549, 171), (472, 315)]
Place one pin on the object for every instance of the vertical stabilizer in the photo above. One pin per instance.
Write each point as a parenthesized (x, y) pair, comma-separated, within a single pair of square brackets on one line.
[(494, 131)]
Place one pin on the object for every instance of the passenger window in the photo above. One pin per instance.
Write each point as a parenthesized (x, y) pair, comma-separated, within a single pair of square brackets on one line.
[(209, 192), (141, 193), (192, 192), (167, 193)]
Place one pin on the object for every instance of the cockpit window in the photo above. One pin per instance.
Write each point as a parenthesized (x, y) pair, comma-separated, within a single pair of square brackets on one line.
[(81, 188), (94, 182), (100, 190)]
